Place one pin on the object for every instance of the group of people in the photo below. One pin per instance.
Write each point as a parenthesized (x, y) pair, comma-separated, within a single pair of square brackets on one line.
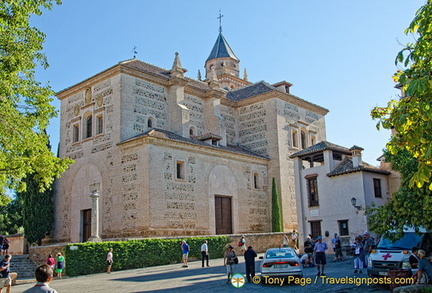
[(58, 265), (230, 257), (231, 260), (44, 275), (361, 249), (4, 245), (424, 268), (315, 252)]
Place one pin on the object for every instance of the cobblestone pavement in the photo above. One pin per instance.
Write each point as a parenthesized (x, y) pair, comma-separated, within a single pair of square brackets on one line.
[(174, 278)]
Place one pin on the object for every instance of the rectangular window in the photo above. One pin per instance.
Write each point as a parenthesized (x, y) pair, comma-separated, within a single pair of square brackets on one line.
[(294, 139), (343, 228), (89, 125), (75, 134), (315, 228), (377, 187), (99, 124), (312, 188), (256, 180), (180, 172)]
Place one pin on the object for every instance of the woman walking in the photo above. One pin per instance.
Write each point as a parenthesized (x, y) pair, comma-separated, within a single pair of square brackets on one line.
[(229, 262)]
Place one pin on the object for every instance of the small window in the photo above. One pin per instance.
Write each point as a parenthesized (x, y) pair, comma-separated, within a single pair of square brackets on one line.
[(313, 140), (377, 187), (312, 188), (99, 124), (214, 142), (150, 123), (294, 139), (191, 131), (256, 180), (343, 228), (89, 125), (75, 134), (180, 172)]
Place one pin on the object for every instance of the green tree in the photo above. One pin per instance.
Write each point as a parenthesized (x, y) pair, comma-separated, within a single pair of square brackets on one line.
[(11, 219), (276, 209), (409, 206), (25, 107), (37, 210), (411, 116)]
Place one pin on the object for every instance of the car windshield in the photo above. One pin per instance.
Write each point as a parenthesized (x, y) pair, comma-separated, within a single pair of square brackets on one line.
[(407, 242), (279, 254)]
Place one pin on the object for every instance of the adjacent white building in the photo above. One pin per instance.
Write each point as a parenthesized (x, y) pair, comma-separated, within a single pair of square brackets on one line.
[(333, 188)]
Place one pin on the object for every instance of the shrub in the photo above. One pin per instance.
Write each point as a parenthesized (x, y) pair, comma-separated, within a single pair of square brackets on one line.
[(89, 258)]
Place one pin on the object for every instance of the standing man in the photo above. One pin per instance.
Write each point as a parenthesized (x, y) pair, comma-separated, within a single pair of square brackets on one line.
[(309, 248), (44, 275), (337, 248), (368, 245), (319, 255), (249, 256), (204, 253), (5, 279), (294, 239), (185, 253), (109, 260)]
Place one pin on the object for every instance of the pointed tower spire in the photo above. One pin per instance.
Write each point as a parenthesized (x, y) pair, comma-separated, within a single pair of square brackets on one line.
[(222, 57), (177, 70), (199, 75), (245, 75)]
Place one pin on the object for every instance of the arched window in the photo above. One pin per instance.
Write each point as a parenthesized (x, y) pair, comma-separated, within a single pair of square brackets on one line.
[(150, 123), (88, 126), (191, 131)]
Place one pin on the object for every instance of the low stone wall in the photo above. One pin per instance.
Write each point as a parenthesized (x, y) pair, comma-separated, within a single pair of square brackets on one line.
[(260, 242), (17, 244), (411, 288), (39, 254)]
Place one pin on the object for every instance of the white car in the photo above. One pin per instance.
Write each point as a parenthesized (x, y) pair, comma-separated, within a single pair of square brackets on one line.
[(281, 262)]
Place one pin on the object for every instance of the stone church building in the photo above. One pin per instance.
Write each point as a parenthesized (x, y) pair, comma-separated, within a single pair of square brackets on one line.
[(172, 155)]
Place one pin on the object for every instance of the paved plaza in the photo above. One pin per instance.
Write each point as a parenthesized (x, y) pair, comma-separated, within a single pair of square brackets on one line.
[(174, 278)]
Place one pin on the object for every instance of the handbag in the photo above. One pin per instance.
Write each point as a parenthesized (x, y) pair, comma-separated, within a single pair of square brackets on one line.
[(236, 261)]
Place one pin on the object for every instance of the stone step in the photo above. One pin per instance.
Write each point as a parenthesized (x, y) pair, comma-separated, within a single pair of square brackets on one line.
[(23, 266)]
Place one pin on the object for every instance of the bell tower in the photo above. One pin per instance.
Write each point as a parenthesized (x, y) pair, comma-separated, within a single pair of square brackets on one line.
[(224, 63)]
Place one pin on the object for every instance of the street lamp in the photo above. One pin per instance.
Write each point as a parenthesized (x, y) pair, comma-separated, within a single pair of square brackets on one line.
[(354, 203)]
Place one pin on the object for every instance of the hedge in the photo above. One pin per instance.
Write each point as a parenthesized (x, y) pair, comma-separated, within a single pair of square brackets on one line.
[(90, 257)]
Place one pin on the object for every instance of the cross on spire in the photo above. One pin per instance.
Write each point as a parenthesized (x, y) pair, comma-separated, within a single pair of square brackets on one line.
[(134, 51), (220, 21)]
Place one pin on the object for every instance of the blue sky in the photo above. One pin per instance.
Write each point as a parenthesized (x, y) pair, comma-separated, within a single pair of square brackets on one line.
[(338, 54)]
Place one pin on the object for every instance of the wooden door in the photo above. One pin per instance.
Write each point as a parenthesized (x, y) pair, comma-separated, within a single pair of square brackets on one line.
[(223, 215), (86, 222)]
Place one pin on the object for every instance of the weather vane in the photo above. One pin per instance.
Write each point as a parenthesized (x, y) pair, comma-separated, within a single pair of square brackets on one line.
[(220, 21), (134, 51)]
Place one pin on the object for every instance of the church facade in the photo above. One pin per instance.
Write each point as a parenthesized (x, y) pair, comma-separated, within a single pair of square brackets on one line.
[(172, 155)]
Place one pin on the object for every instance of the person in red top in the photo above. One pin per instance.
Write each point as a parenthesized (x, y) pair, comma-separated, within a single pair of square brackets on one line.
[(50, 261)]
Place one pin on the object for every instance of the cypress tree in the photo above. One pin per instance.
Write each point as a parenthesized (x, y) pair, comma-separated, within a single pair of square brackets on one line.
[(276, 209)]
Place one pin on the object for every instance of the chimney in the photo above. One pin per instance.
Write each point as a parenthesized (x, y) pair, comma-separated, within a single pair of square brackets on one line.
[(356, 152)]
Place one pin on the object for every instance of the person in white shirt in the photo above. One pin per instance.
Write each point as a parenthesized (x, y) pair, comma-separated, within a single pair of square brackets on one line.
[(204, 253), (109, 260)]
